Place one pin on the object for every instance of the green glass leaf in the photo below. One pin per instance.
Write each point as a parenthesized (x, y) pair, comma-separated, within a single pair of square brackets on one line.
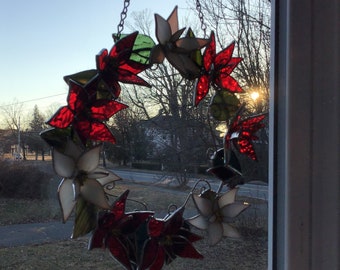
[(196, 55), (224, 105), (141, 49), (81, 77), (86, 218), (56, 137)]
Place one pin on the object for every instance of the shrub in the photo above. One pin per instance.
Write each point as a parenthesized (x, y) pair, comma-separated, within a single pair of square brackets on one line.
[(21, 180)]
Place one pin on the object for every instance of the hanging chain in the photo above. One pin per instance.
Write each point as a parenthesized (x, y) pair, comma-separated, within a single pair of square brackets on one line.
[(123, 16), (200, 16)]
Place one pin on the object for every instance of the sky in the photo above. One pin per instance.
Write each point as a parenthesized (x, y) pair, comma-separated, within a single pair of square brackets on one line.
[(42, 41)]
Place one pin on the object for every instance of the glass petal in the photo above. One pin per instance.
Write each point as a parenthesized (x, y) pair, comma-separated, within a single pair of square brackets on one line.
[(62, 118), (150, 253), (63, 165), (233, 210), (230, 66), (174, 221), (183, 248), (191, 44), (126, 76), (73, 150), (163, 30), (95, 131), (228, 83), (66, 198), (215, 233), (230, 231), (89, 160), (103, 109), (209, 53), (82, 77), (123, 47), (183, 64), (224, 56), (173, 20), (202, 88), (227, 198), (157, 55), (203, 205), (155, 227), (92, 191), (175, 36), (199, 222), (77, 97), (56, 137), (100, 59), (86, 218), (118, 208), (104, 176), (119, 251)]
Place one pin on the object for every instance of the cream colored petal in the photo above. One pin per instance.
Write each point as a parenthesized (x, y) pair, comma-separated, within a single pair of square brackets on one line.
[(63, 165), (203, 205), (173, 20), (93, 192), (191, 44), (104, 176), (199, 222), (233, 210), (230, 231), (227, 198), (215, 233), (157, 55), (66, 198), (163, 30), (73, 150), (89, 160)]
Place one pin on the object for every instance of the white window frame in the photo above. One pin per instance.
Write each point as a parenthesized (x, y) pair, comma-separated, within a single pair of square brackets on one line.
[(304, 164)]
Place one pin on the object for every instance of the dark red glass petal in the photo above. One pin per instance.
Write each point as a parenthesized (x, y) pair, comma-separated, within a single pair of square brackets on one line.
[(224, 56), (182, 247), (62, 118), (134, 220), (123, 44), (230, 66), (101, 59), (118, 208), (229, 83), (103, 109), (202, 88), (174, 222), (209, 53), (93, 130), (155, 227), (119, 251), (150, 252), (77, 97)]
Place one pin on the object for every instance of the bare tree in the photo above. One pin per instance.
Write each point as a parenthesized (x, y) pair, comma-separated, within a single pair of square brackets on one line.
[(247, 22)]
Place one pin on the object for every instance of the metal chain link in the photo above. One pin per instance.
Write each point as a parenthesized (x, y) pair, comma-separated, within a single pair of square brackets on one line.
[(200, 16), (123, 16)]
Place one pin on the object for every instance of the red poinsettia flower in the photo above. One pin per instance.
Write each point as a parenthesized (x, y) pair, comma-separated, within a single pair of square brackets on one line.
[(85, 113), (113, 230), (216, 70), (169, 238), (116, 66), (241, 133)]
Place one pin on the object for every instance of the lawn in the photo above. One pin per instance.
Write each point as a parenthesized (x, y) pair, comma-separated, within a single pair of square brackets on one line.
[(249, 252)]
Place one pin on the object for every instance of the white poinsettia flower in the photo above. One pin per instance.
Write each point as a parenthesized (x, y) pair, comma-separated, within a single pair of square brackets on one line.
[(174, 48), (215, 212), (81, 177)]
